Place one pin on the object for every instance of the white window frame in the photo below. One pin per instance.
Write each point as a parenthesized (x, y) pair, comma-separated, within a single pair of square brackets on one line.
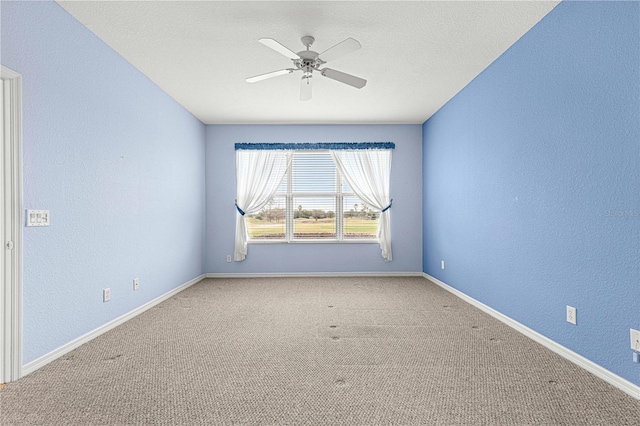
[(338, 196)]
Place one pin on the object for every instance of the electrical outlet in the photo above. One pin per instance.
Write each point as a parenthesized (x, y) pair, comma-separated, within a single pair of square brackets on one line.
[(572, 315), (635, 340), (442, 264), (136, 284), (228, 258), (106, 294)]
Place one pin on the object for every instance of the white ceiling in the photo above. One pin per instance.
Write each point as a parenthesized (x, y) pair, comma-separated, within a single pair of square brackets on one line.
[(415, 55)]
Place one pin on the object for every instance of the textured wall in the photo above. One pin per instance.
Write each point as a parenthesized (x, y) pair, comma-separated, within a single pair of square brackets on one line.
[(531, 180), (117, 162), (406, 226)]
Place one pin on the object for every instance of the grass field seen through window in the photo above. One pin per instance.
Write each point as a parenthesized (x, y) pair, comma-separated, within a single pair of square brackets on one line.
[(354, 228)]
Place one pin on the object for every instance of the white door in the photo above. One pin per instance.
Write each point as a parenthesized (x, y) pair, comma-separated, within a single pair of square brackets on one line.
[(10, 226), (3, 269)]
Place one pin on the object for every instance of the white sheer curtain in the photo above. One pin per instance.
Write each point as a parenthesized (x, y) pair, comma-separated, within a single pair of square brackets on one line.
[(368, 173), (259, 174)]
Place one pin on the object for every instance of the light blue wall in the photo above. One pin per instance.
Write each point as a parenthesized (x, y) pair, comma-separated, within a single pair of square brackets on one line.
[(532, 182), (119, 164), (406, 226)]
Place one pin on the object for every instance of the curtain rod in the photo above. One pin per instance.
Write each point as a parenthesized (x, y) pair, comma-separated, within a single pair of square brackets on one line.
[(315, 146)]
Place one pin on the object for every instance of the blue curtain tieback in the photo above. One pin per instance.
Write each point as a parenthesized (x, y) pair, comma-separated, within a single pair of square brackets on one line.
[(239, 209), (388, 207)]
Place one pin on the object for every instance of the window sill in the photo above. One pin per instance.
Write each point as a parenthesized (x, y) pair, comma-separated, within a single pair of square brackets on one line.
[(372, 241)]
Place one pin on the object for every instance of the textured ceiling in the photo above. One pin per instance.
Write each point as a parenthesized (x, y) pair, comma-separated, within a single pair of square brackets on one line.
[(415, 55)]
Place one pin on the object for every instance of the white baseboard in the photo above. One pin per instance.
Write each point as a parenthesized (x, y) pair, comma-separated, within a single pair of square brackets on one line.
[(62, 350), (593, 368), (313, 274)]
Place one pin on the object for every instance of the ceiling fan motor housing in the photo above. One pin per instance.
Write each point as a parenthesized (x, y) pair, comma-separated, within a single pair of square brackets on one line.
[(308, 61)]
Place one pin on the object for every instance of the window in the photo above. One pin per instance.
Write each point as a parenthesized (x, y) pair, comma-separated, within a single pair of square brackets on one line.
[(313, 203), (304, 192)]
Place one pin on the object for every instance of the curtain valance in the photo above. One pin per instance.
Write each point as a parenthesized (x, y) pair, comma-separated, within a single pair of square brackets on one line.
[(332, 146)]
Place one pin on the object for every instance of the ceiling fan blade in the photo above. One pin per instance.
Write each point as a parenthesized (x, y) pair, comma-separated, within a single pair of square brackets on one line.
[(269, 42), (269, 75), (305, 87), (346, 46), (345, 78)]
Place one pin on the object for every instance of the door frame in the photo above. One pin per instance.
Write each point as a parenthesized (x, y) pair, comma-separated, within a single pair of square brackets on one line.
[(11, 280)]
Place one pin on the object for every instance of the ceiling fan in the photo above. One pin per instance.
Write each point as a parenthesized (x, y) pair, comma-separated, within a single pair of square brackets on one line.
[(309, 61)]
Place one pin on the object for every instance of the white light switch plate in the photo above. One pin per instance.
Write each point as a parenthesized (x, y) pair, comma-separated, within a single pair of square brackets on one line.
[(635, 339), (571, 315), (37, 217)]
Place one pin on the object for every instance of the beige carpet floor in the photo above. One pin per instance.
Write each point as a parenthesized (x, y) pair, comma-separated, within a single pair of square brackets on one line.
[(312, 351)]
